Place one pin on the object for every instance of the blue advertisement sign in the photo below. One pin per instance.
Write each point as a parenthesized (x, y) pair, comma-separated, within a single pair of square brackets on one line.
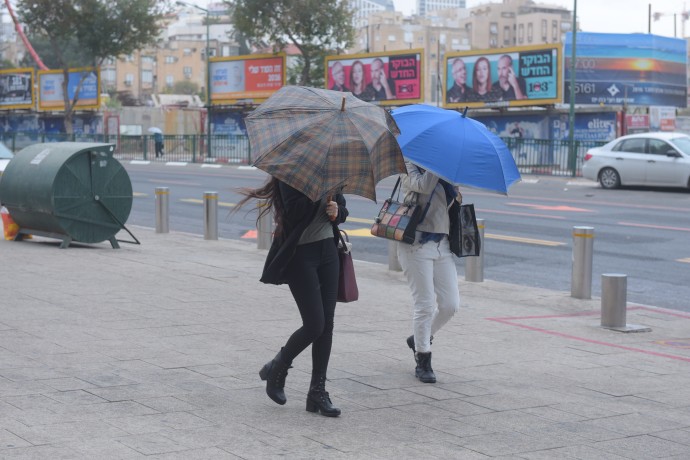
[(50, 92), (231, 123), (627, 69)]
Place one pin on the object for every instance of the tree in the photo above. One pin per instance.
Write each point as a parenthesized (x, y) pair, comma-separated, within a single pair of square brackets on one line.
[(185, 87), (101, 29), (311, 25)]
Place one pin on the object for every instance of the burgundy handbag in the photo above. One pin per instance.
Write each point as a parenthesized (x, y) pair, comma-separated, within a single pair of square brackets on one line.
[(347, 284)]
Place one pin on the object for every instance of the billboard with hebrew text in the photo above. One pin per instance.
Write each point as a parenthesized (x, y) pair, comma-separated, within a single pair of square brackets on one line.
[(251, 78), (506, 77), (388, 78), (83, 83)]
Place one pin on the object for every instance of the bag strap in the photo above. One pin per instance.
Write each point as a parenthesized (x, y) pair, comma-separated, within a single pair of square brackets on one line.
[(428, 204)]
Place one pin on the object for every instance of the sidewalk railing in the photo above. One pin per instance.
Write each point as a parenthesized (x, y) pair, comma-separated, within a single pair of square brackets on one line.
[(532, 156)]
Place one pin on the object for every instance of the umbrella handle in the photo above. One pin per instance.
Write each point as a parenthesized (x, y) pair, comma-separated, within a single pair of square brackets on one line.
[(342, 106)]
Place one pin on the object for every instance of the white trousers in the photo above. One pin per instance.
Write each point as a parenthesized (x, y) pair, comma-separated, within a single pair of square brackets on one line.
[(433, 279)]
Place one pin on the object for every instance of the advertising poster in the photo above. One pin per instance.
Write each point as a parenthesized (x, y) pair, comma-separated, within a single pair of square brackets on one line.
[(662, 118), (16, 89), (253, 78), (627, 69), (503, 78), (50, 95), (636, 123), (229, 123), (378, 77), (588, 127)]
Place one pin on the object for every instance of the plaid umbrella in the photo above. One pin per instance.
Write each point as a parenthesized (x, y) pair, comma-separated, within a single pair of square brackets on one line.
[(320, 141)]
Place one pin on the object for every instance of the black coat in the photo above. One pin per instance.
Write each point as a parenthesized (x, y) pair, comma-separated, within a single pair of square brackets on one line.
[(299, 211)]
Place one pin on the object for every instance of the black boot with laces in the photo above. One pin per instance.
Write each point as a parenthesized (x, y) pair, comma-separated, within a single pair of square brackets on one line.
[(274, 373), (318, 399)]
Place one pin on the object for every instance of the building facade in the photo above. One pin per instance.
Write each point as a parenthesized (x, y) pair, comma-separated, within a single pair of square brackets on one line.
[(424, 7)]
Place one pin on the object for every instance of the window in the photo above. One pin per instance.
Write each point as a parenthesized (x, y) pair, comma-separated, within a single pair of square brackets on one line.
[(544, 31), (187, 51), (530, 32), (187, 71), (493, 28), (147, 59), (109, 75), (391, 38), (659, 147), (409, 37), (635, 145), (170, 59), (129, 79), (169, 81), (521, 33), (554, 31), (146, 76), (506, 35)]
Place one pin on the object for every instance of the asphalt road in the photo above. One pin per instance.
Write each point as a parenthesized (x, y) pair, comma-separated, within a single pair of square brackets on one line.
[(643, 233)]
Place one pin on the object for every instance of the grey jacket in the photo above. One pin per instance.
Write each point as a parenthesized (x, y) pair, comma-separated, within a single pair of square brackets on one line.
[(437, 219)]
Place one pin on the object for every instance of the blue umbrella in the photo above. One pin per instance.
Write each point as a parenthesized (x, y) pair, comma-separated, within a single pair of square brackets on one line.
[(458, 149)]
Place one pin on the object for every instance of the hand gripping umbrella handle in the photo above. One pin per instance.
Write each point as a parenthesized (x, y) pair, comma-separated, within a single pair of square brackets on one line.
[(328, 200)]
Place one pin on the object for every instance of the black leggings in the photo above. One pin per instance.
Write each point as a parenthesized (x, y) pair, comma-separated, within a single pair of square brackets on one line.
[(313, 280)]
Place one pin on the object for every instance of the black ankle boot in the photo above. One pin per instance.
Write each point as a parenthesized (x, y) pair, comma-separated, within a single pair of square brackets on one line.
[(423, 371), (318, 399), (274, 373), (410, 342)]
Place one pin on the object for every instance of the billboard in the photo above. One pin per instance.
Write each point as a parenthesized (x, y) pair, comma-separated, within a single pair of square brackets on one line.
[(254, 78), (17, 89), (508, 77), (50, 94), (627, 69), (386, 78)]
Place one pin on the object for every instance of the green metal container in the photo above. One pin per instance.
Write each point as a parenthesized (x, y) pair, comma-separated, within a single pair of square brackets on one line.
[(75, 191)]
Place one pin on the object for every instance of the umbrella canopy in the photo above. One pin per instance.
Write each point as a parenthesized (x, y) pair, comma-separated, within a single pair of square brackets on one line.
[(458, 149), (320, 141), (155, 130)]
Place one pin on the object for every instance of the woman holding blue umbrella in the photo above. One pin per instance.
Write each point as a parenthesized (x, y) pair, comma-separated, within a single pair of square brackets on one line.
[(428, 263)]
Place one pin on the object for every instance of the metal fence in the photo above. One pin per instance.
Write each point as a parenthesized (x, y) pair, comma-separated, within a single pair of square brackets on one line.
[(532, 156)]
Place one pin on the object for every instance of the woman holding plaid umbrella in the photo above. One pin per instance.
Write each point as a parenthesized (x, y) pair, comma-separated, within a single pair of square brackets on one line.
[(304, 255)]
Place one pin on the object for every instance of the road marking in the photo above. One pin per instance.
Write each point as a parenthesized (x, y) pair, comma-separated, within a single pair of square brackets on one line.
[(686, 260), (140, 194), (366, 232), (195, 201), (661, 227), (176, 163), (540, 207), (518, 239), (205, 165), (521, 214)]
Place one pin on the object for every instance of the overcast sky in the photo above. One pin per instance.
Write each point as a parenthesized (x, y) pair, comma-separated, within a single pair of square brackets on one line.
[(609, 16)]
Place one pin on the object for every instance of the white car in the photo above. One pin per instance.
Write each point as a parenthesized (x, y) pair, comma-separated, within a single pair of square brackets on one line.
[(5, 156), (654, 159)]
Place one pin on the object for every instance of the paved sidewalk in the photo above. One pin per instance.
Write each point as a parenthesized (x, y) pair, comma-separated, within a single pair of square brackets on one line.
[(153, 351)]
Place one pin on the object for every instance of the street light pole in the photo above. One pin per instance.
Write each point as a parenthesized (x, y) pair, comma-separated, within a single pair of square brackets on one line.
[(571, 116), (208, 73)]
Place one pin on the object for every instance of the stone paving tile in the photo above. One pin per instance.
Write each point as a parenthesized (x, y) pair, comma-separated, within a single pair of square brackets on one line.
[(633, 424), (678, 436), (10, 440), (642, 447), (57, 432), (157, 422), (39, 453), (211, 453), (152, 443), (512, 443)]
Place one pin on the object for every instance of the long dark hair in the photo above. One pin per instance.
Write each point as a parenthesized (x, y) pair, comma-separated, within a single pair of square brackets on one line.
[(270, 192)]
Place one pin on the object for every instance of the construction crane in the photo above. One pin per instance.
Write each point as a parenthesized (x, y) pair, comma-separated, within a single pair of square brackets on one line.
[(25, 40)]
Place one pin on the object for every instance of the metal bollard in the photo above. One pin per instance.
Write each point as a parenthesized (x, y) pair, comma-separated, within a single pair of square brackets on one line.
[(210, 215), (474, 266), (581, 280), (614, 289), (162, 207), (393, 261), (264, 227)]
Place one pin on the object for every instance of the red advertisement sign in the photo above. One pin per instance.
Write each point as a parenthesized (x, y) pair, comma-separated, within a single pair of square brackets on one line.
[(381, 77), (254, 77)]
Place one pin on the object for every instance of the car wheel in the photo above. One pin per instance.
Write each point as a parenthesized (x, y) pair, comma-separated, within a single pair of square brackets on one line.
[(609, 178)]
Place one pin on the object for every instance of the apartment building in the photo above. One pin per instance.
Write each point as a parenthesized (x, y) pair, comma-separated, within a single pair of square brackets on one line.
[(424, 7), (362, 9)]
